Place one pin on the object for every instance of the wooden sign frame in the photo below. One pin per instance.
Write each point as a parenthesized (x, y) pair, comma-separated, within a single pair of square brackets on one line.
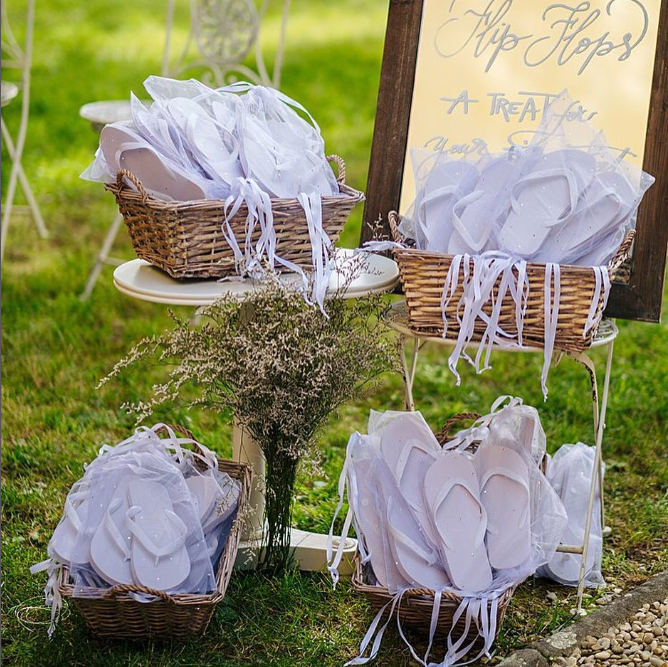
[(640, 298)]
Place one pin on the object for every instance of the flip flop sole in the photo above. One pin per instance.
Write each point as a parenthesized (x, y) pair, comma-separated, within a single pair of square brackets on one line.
[(459, 520), (506, 501)]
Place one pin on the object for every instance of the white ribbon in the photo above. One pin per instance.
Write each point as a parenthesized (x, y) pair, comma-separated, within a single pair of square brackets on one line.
[(361, 659), (250, 259), (602, 284), (52, 597), (551, 306), (480, 275)]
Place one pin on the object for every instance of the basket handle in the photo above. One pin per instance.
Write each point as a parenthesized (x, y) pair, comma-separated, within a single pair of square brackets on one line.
[(624, 251), (177, 429), (393, 220), (115, 591), (184, 432), (122, 175), (442, 435), (340, 168)]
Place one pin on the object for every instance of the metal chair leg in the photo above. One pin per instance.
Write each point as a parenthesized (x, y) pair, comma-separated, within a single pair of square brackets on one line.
[(103, 257), (9, 202), (596, 476), (33, 205), (406, 373), (25, 186)]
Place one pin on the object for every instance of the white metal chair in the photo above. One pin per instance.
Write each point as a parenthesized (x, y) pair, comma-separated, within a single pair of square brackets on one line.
[(19, 58), (223, 34)]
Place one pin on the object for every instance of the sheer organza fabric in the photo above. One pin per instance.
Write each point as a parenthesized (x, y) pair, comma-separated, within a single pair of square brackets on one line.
[(570, 471)]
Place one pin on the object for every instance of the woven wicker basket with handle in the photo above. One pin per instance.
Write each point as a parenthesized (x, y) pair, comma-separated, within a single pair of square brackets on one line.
[(185, 239), (417, 605), (423, 275), (114, 613)]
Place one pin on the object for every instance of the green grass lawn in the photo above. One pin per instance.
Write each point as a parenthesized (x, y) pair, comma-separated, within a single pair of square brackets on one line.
[(55, 348)]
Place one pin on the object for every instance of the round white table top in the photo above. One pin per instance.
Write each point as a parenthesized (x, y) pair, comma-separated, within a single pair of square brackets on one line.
[(398, 320), (106, 111), (8, 92), (140, 280)]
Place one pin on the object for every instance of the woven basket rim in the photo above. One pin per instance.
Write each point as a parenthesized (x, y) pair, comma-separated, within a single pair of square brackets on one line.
[(418, 594), (123, 191), (346, 194), (244, 476)]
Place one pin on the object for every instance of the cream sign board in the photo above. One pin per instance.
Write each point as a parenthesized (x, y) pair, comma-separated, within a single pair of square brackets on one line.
[(486, 70), (466, 77)]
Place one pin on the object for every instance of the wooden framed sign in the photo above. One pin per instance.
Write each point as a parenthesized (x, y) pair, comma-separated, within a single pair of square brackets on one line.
[(458, 73)]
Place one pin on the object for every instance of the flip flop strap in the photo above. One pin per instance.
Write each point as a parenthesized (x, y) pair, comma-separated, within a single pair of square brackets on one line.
[(437, 193), (157, 551), (459, 225), (406, 452), (427, 555), (72, 502), (122, 544), (443, 493), (604, 194), (564, 172)]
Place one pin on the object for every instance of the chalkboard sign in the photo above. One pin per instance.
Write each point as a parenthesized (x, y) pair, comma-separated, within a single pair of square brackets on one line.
[(467, 76)]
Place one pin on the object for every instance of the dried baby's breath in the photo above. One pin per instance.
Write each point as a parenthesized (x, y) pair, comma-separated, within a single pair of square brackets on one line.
[(281, 367)]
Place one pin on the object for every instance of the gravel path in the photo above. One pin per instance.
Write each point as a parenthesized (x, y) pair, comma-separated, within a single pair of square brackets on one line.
[(642, 640)]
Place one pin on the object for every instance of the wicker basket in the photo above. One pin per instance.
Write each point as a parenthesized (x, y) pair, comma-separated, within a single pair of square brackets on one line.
[(423, 275), (185, 239), (417, 605), (113, 613)]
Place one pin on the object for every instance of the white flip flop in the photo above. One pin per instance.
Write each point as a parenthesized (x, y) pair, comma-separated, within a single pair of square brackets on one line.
[(409, 449), (446, 183), (216, 498), (606, 248), (504, 491), (544, 199), (125, 149), (65, 543), (371, 523), (205, 491), (472, 216), (110, 547), (159, 556), (225, 505), (418, 561), (452, 491), (604, 206), (520, 423)]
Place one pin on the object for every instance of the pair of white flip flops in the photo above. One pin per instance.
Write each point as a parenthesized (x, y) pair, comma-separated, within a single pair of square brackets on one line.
[(432, 518)]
